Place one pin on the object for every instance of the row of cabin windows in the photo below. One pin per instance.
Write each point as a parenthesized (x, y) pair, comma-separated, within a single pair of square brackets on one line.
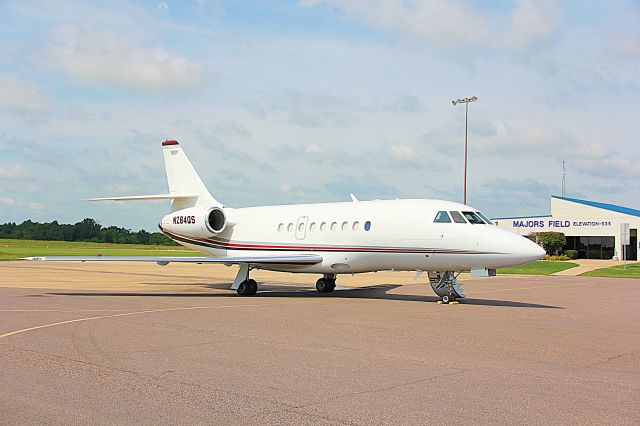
[(345, 226), (474, 218)]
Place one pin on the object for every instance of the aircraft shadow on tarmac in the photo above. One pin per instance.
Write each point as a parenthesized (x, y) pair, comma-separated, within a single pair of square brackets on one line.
[(376, 292)]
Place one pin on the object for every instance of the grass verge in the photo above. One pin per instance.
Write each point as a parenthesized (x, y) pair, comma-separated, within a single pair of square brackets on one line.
[(539, 267), (632, 271), (15, 249)]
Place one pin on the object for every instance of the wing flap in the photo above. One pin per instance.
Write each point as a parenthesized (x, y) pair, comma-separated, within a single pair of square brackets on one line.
[(264, 260)]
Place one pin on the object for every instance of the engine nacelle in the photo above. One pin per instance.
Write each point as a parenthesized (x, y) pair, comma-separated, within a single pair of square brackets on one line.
[(196, 221)]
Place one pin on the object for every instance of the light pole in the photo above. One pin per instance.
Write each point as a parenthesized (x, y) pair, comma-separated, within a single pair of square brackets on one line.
[(466, 102)]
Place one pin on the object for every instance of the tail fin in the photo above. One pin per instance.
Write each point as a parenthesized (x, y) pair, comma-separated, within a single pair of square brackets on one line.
[(183, 179)]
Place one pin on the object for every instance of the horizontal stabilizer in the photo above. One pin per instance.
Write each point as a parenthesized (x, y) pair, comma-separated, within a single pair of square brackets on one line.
[(255, 260), (146, 197)]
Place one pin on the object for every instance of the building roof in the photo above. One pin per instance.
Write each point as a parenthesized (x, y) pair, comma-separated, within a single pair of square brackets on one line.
[(611, 207), (521, 217)]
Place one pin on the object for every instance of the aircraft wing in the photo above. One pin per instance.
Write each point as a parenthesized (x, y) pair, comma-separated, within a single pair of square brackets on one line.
[(145, 197), (265, 260)]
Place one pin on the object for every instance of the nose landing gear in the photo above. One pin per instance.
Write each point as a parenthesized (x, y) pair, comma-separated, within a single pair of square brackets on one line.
[(445, 285)]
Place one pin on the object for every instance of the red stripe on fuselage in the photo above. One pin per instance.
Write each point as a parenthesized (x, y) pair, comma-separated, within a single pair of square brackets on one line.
[(240, 246)]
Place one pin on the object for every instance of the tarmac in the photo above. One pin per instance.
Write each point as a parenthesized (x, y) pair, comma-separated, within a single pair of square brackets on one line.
[(118, 343)]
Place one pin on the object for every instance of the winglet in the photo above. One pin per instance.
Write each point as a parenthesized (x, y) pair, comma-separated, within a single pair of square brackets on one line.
[(353, 198)]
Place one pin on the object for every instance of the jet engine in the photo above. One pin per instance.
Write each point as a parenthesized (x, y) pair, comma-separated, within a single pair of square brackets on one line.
[(199, 222)]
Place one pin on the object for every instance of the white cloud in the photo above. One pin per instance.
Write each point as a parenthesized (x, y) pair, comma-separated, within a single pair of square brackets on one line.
[(163, 6), (19, 95), (35, 206), (455, 23), (612, 167), (402, 152), (313, 149), (13, 172), (96, 57), (8, 202), (286, 188)]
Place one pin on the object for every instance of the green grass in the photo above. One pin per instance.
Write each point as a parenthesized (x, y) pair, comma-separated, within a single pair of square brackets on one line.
[(632, 271), (14, 249), (539, 267)]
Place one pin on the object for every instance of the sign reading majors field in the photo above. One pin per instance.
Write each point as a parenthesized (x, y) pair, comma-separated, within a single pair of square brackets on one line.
[(595, 230)]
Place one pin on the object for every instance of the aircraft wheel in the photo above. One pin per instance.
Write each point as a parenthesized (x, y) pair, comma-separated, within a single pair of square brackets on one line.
[(245, 288), (253, 287), (322, 286), (446, 298), (331, 285)]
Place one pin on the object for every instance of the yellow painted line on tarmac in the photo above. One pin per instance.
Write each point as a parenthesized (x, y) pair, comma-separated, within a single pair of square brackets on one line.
[(148, 311)]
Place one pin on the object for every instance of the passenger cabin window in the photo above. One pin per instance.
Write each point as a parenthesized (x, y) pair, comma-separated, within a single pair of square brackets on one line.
[(312, 227), (486, 220), (457, 217), (473, 218), (281, 227), (290, 227), (442, 217), (356, 225), (367, 225)]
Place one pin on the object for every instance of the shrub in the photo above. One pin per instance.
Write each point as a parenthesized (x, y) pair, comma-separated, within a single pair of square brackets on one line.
[(559, 257), (552, 242), (571, 254)]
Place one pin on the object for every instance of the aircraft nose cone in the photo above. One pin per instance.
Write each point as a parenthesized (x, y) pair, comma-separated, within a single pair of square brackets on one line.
[(531, 251)]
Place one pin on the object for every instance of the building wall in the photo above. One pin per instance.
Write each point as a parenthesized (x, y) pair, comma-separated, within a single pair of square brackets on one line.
[(574, 219)]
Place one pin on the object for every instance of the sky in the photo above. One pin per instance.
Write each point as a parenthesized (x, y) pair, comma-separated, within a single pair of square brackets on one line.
[(280, 102)]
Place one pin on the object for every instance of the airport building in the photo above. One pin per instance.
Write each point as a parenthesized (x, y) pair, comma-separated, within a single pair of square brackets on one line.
[(595, 230)]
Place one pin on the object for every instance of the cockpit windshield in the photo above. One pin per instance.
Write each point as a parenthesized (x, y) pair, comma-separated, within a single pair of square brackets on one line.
[(473, 218), (457, 217)]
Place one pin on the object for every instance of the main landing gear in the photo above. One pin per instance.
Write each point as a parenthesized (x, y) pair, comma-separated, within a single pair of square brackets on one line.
[(326, 284), (244, 285), (445, 285), (248, 288)]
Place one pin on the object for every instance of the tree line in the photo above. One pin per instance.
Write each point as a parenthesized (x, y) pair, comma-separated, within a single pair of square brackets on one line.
[(87, 230)]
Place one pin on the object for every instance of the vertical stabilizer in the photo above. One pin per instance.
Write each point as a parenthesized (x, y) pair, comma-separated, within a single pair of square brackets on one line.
[(183, 179)]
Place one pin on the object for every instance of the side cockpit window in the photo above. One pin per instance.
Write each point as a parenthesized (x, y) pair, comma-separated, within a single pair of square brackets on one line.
[(473, 218), (457, 217), (442, 217), (487, 221)]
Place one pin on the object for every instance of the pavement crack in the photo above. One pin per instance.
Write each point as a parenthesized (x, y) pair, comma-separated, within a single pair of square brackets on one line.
[(384, 389), (613, 358)]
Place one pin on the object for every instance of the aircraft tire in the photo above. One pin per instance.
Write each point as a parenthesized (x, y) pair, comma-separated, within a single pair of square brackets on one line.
[(331, 285), (322, 285), (245, 288), (253, 287)]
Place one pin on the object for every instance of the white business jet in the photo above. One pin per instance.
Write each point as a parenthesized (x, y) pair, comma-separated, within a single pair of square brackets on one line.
[(440, 237)]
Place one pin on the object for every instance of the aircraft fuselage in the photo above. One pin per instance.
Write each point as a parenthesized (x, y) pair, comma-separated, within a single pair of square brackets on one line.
[(354, 237)]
